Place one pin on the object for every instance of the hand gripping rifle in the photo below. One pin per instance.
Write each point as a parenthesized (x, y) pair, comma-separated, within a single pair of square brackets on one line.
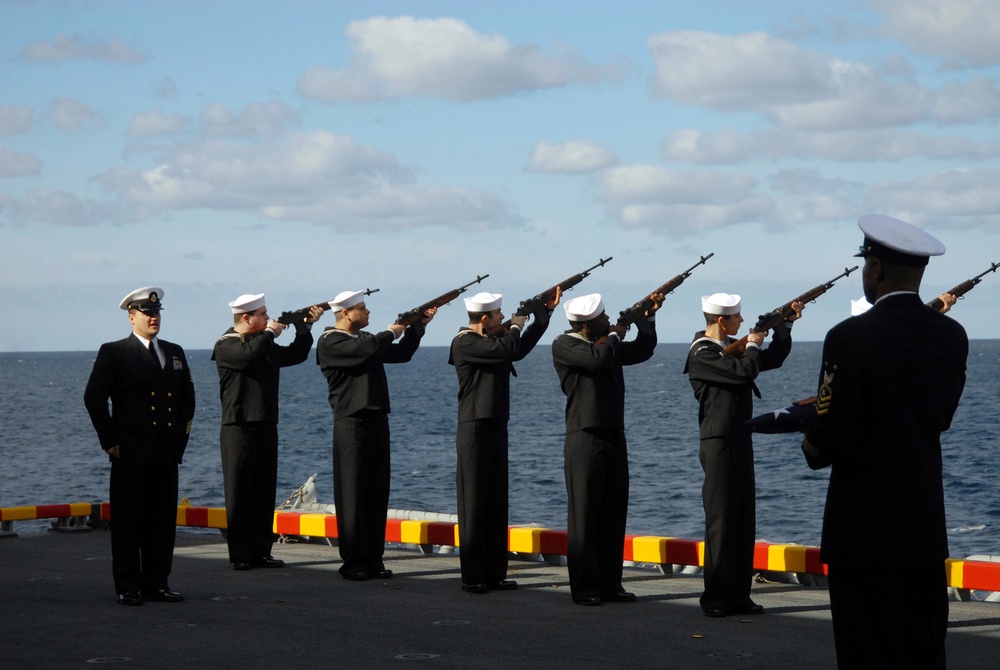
[(417, 313), (964, 287), (775, 318), (636, 311), (298, 315), (531, 304)]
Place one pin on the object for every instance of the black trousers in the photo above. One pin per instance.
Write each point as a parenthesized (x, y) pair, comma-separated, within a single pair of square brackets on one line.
[(361, 490), (729, 497), (481, 483), (143, 525), (898, 619), (596, 469), (250, 473)]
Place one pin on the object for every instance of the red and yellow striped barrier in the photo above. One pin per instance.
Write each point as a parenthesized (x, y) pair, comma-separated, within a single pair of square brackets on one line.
[(962, 574)]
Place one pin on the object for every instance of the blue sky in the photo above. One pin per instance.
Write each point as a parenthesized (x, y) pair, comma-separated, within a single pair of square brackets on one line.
[(301, 149)]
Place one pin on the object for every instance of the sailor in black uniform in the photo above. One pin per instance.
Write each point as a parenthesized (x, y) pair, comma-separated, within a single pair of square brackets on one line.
[(484, 364), (352, 360), (145, 432), (890, 383), (723, 386), (588, 359), (249, 363)]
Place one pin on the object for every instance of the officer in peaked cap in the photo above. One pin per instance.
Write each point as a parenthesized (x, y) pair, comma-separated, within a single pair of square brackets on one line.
[(145, 432), (588, 359), (249, 362), (483, 360), (890, 382)]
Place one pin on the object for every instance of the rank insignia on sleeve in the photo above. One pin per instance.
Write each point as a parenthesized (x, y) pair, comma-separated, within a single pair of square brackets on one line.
[(825, 395)]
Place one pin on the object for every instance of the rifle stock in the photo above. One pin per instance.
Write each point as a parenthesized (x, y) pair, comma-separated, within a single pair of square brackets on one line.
[(531, 304), (629, 316), (417, 313), (964, 287), (776, 317), (297, 315)]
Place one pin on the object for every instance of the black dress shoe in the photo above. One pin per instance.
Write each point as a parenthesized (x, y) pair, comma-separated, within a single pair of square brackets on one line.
[(268, 562), (384, 573), (129, 598), (356, 576), (502, 585), (164, 596), (752, 608), (619, 597), (715, 612), (242, 565), (474, 588), (587, 601)]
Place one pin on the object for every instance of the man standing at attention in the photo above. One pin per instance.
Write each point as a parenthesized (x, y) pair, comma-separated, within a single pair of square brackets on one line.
[(890, 383), (144, 434), (352, 360), (484, 365), (723, 386), (588, 359), (249, 363)]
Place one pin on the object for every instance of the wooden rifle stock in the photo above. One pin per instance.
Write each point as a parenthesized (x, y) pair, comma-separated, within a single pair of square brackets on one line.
[(629, 316), (964, 287), (417, 313), (531, 304), (298, 315), (775, 318)]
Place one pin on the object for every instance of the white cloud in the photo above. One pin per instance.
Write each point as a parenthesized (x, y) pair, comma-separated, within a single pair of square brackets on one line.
[(962, 29), (66, 48), (14, 164), (804, 90), (15, 119), (256, 120), (961, 198), (318, 177), (572, 157), (148, 124), (731, 146), (70, 114), (55, 207), (442, 58)]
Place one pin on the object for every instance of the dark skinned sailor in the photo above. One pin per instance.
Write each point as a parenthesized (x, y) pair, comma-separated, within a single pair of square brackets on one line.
[(724, 386), (249, 361), (588, 359), (890, 383), (144, 432), (353, 362), (484, 365)]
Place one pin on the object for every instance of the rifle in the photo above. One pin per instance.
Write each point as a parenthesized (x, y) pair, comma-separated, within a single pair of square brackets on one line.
[(775, 318), (531, 304), (417, 313), (964, 287), (297, 315), (636, 311)]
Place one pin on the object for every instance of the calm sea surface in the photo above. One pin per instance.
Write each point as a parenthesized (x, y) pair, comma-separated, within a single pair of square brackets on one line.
[(49, 452)]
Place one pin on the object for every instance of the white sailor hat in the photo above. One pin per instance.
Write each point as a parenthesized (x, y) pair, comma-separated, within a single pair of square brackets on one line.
[(483, 302), (584, 308), (147, 297), (721, 304), (346, 300), (896, 241), (246, 303), (860, 306)]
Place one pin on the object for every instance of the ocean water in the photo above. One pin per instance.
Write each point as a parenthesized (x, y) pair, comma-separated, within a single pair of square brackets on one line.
[(49, 452)]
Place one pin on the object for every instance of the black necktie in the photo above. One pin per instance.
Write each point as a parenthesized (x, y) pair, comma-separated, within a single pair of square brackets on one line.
[(152, 351)]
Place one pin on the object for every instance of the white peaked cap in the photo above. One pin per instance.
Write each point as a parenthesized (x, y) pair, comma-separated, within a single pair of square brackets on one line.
[(584, 308), (483, 302), (898, 236), (347, 299), (860, 306), (145, 296), (248, 302), (721, 304)]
